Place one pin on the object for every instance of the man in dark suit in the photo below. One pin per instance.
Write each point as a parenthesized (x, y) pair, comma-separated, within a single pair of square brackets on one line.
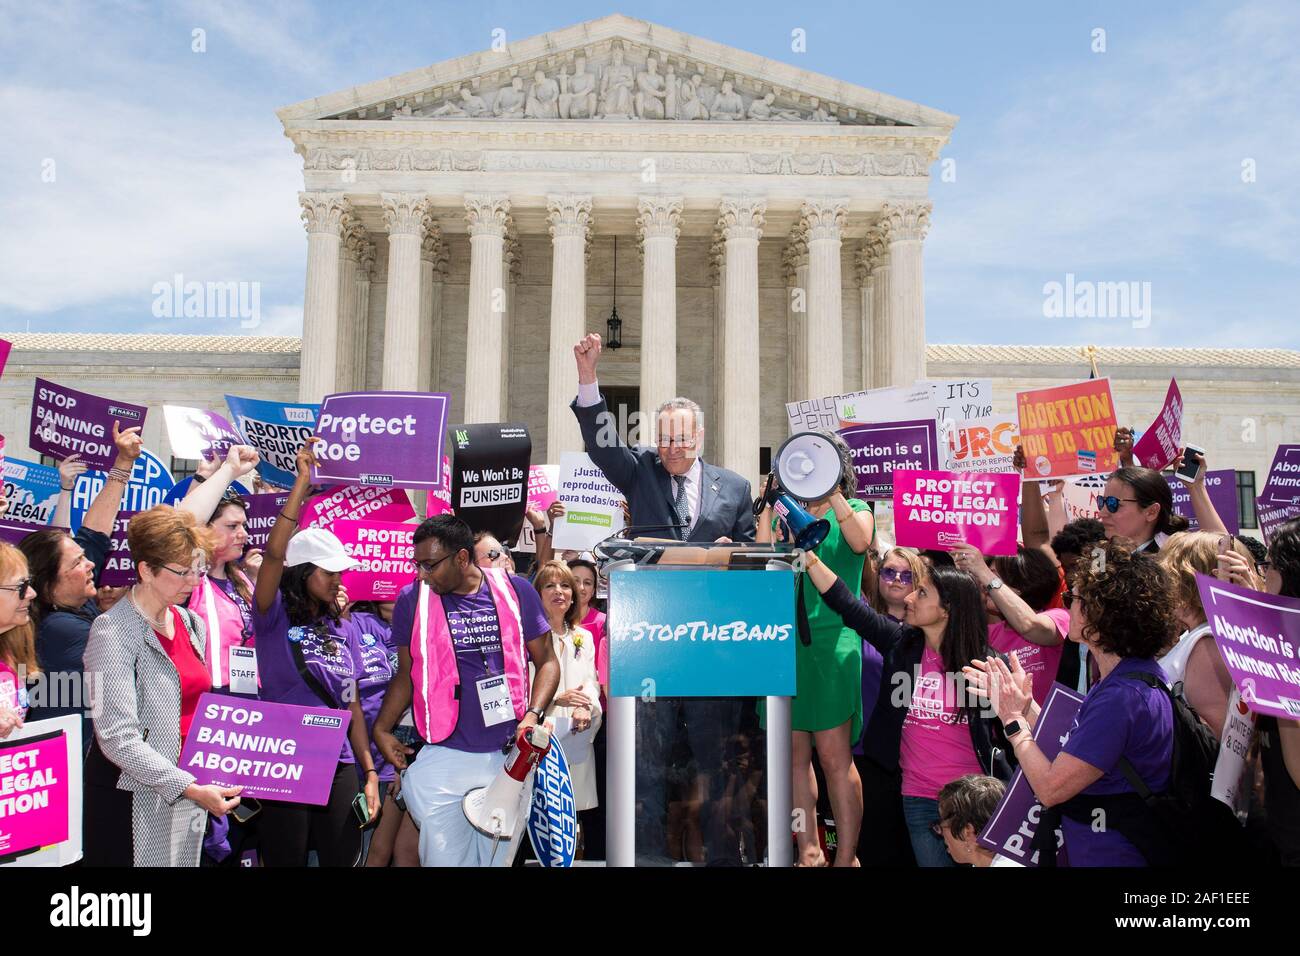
[(672, 490)]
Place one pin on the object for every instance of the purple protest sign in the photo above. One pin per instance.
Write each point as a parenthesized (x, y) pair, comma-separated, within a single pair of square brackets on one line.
[(11, 532), (880, 449), (274, 751), (66, 421), (195, 433), (1010, 831), (1160, 444), (119, 570), (261, 514), (1222, 488), (1282, 486), (1259, 640), (352, 502), (388, 439), (1272, 517)]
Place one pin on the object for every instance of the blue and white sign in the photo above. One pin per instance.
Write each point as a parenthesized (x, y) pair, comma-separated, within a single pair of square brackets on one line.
[(701, 633), (553, 818), (277, 430), (31, 491), (149, 484)]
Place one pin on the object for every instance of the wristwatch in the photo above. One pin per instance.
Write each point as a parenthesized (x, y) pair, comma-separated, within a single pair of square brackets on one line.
[(1011, 729), (538, 711), (993, 585)]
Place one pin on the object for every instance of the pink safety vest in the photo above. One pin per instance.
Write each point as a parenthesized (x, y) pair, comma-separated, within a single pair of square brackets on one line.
[(224, 622), (434, 676)]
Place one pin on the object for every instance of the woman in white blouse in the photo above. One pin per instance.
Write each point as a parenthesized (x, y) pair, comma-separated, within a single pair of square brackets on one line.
[(578, 697)]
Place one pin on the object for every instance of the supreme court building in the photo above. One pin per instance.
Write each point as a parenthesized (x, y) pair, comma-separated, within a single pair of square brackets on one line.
[(462, 222)]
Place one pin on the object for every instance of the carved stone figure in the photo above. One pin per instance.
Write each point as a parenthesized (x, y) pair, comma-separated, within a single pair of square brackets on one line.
[(543, 98), (762, 109), (671, 92), (511, 100), (616, 88), (579, 100), (469, 105), (691, 108), (706, 93), (650, 92), (727, 105), (819, 115)]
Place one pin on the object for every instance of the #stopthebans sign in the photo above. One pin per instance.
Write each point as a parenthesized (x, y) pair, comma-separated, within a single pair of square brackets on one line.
[(489, 477)]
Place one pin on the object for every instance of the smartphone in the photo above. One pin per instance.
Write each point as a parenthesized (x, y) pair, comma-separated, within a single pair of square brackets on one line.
[(361, 810), (1189, 469), (248, 808)]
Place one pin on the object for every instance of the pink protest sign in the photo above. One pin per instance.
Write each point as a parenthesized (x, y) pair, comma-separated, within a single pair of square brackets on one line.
[(439, 502), (5, 346), (1259, 640), (385, 551), (543, 486), (937, 509), (353, 502), (1161, 443), (33, 793)]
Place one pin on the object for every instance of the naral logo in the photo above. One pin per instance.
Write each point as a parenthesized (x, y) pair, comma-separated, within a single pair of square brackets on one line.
[(298, 415), (368, 479), (320, 720), (120, 412), (462, 438)]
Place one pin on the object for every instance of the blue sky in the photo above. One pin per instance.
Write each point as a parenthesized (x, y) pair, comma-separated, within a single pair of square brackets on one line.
[(1116, 166)]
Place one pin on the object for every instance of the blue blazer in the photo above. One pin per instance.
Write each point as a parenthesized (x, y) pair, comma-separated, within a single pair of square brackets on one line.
[(726, 500)]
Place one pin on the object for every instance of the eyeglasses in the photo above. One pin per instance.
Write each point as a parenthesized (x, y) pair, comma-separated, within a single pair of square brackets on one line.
[(1068, 598), (328, 644), (677, 442), (194, 573), (1111, 503), (22, 587), (428, 567), (938, 827), (493, 554), (893, 575)]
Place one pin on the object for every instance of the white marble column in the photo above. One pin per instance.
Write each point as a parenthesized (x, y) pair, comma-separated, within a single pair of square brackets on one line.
[(352, 236), (570, 227), (361, 331), (322, 214), (510, 267), (882, 331), (906, 225), (795, 263), (404, 215), (824, 349), (658, 226), (487, 216), (862, 272), (717, 423), (741, 221), (433, 259)]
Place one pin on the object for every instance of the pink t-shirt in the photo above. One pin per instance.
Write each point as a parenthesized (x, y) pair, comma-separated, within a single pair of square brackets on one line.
[(595, 623), (11, 695), (936, 746), (1039, 662)]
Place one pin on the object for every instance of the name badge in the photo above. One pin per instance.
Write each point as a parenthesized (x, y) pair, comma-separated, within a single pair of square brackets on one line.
[(494, 698), (243, 670)]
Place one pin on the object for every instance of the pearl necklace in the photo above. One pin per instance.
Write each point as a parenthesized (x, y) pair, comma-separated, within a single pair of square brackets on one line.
[(157, 625)]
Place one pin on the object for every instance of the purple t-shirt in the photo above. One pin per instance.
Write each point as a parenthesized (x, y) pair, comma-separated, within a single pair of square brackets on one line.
[(326, 652), (477, 639), (1120, 717), (376, 656)]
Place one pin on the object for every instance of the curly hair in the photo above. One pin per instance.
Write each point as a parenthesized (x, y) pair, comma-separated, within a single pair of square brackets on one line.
[(1077, 535), (1258, 550), (1284, 554), (1127, 601)]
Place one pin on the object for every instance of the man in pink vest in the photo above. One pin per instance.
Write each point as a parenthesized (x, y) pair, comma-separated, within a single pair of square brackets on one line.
[(465, 637)]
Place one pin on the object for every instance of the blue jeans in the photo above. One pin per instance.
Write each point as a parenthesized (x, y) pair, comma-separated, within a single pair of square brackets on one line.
[(929, 850)]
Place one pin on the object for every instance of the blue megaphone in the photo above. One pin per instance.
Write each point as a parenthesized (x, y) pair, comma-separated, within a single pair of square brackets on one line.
[(807, 531)]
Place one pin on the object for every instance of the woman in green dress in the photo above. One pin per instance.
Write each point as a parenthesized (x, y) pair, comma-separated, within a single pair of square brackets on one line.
[(827, 709)]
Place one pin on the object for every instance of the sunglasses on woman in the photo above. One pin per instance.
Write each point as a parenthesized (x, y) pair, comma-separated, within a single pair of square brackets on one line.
[(494, 554), (895, 576), (22, 587), (328, 644), (1111, 503)]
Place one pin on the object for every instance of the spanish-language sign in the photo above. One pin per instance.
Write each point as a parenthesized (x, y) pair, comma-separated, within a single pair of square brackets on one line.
[(66, 421), (196, 433), (31, 492), (386, 554), (593, 507), (489, 477), (1272, 517), (892, 404), (1010, 831), (261, 515), (387, 439), (882, 449), (937, 509), (119, 570), (354, 502), (701, 633), (1282, 487), (277, 430), (1222, 489), (543, 491), (1068, 430), (274, 751), (150, 484), (1258, 637), (813, 414), (1160, 444), (33, 793), (553, 815)]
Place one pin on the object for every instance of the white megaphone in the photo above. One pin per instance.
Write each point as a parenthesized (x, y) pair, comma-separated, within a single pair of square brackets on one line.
[(494, 810), (807, 467)]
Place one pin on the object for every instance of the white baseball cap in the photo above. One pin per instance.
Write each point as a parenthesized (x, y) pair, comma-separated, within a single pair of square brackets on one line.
[(319, 547)]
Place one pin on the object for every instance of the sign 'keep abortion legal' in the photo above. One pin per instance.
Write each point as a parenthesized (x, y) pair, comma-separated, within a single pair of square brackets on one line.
[(388, 439), (66, 422)]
